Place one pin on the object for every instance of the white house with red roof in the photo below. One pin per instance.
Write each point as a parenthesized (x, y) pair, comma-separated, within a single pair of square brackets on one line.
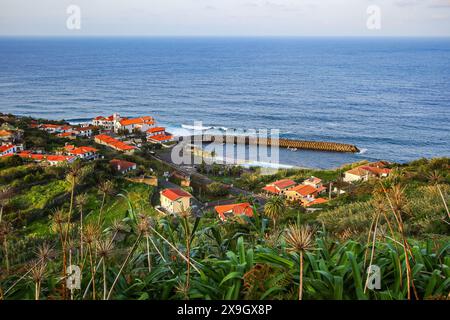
[(107, 123), (158, 135), (55, 128), (279, 187), (175, 200), (129, 125), (67, 135), (86, 153), (123, 166), (84, 131), (234, 210), (365, 172), (8, 150)]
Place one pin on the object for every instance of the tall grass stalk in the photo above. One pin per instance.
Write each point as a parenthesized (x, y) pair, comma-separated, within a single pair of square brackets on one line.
[(123, 266)]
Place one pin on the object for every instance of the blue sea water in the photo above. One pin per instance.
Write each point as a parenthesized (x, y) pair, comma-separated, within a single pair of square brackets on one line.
[(388, 96)]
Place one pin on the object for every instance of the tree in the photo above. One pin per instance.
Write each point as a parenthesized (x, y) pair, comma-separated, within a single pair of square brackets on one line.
[(274, 208)]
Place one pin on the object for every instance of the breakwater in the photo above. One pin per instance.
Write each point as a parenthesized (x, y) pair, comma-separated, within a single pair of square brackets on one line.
[(282, 143)]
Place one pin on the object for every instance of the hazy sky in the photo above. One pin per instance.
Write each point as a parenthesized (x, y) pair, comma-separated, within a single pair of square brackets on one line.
[(226, 17)]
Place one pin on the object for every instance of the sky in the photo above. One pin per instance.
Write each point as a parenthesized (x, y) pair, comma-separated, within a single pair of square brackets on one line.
[(225, 18)]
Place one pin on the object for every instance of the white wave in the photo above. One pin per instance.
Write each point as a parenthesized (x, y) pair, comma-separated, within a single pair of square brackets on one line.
[(251, 163), (268, 165), (201, 128), (362, 151), (178, 132)]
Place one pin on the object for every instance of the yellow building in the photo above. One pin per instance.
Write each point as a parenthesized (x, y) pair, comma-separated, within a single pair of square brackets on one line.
[(175, 200)]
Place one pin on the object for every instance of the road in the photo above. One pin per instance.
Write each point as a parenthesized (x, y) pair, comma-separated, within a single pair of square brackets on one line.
[(205, 180)]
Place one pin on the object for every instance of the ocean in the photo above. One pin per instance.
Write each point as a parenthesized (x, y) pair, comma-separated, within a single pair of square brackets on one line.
[(388, 96)]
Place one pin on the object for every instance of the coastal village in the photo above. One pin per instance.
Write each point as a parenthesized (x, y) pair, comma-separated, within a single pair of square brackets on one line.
[(110, 186), (125, 136)]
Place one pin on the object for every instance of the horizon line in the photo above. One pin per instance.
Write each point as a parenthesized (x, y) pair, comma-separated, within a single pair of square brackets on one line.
[(214, 36)]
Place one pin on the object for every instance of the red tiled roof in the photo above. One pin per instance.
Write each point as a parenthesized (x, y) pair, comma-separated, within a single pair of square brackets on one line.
[(156, 129), (51, 126), (56, 158), (141, 120), (65, 134), (6, 147), (114, 142), (110, 118), (79, 151), (5, 133), (271, 189), (175, 194), (320, 189), (379, 164), (236, 209), (124, 165), (304, 190), (161, 137), (42, 157), (358, 171), (316, 201), (364, 170), (285, 183), (376, 170)]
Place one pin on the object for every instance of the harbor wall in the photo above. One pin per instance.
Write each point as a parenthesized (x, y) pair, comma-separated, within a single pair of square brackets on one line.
[(282, 143)]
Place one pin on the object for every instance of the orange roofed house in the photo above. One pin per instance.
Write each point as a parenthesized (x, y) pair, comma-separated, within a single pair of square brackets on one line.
[(6, 135), (123, 166), (158, 135), (114, 143), (305, 194), (53, 160), (234, 210), (175, 200), (56, 128), (314, 182), (279, 187), (87, 153), (365, 172), (129, 125)]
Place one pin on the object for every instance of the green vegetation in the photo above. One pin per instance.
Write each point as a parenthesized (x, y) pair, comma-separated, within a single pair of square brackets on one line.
[(87, 215)]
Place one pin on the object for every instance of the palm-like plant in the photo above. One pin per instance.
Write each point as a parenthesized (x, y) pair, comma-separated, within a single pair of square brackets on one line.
[(274, 208), (37, 274), (144, 228), (81, 201), (105, 188), (73, 177), (397, 201), (91, 236), (300, 239), (104, 250)]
